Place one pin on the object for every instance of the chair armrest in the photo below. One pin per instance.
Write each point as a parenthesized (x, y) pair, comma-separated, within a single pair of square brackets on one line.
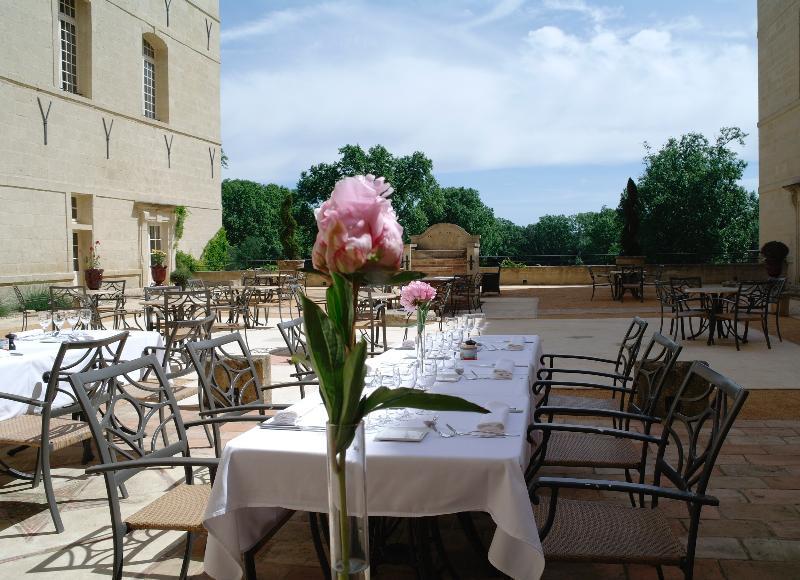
[(226, 419), (144, 462), (593, 430), (548, 384), (21, 399), (245, 408), (608, 413), (621, 486), (291, 384), (553, 356), (549, 371)]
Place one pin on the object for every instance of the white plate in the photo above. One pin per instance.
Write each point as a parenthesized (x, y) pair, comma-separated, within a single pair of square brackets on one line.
[(405, 434)]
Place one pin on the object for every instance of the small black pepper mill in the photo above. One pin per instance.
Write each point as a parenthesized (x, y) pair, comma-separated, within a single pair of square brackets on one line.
[(11, 345)]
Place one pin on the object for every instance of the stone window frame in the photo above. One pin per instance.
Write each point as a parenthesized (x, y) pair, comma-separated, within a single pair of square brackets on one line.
[(68, 45), (156, 60), (73, 17), (153, 215), (149, 85)]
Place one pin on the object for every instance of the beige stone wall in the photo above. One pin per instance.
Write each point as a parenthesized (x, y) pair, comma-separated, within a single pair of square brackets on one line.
[(779, 124), (136, 182)]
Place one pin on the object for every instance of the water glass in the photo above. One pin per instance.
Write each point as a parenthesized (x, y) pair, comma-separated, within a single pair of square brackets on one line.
[(72, 319), (428, 376), (45, 321), (408, 375), (390, 376), (58, 320)]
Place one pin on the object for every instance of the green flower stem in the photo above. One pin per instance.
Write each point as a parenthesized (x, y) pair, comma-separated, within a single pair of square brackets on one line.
[(344, 523)]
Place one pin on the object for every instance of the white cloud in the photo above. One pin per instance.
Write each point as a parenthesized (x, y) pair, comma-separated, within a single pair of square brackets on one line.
[(598, 14), (474, 99)]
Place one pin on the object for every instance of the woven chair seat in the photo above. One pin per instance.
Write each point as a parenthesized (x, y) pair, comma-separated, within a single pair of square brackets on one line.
[(606, 403), (589, 450), (27, 430), (180, 509), (587, 531), (182, 388)]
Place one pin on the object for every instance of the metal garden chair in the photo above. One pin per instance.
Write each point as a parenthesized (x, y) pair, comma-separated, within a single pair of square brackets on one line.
[(50, 428), (691, 438), (568, 445), (132, 442), (26, 312), (751, 304), (601, 281)]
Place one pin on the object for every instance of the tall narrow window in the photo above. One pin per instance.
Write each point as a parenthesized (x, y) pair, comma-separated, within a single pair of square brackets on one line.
[(74, 208), (149, 86), (69, 45), (155, 238), (76, 264)]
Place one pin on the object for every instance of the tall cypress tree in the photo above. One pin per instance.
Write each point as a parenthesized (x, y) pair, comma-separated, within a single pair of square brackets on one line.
[(629, 212), (291, 249)]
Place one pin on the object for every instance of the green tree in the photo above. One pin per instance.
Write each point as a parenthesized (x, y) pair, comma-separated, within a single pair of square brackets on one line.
[(252, 210), (552, 234), (463, 206), (291, 249), (416, 197), (216, 254), (691, 201), (630, 212), (598, 232)]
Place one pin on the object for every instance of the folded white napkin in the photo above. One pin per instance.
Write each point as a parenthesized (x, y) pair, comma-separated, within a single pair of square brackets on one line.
[(293, 414), (515, 345), (496, 420), (504, 369), (408, 344), (29, 334)]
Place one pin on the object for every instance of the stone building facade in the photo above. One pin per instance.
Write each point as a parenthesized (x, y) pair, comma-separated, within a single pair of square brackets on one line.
[(779, 125), (110, 119)]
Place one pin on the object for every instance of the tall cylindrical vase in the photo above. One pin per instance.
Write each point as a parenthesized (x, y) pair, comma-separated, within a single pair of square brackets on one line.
[(421, 315), (347, 502)]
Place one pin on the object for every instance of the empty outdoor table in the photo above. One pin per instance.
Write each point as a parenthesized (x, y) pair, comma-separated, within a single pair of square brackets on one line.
[(715, 292), (21, 374), (263, 473)]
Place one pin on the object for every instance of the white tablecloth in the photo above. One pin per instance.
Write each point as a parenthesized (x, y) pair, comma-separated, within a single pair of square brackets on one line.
[(262, 473), (22, 375)]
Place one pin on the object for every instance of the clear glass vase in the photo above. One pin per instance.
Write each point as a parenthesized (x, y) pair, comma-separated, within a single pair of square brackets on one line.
[(421, 315), (347, 501)]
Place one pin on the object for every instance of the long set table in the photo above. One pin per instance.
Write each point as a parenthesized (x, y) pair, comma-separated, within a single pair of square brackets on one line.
[(263, 473), (21, 370)]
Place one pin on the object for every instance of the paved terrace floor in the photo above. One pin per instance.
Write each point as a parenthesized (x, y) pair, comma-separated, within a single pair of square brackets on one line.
[(755, 533)]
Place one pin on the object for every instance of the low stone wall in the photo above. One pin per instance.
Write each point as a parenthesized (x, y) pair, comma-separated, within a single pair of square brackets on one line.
[(576, 275)]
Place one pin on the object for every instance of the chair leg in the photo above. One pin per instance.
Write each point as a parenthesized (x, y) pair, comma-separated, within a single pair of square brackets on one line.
[(187, 555), (766, 330), (119, 538), (48, 490), (314, 523), (778, 322)]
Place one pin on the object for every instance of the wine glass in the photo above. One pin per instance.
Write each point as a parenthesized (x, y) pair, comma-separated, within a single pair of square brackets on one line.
[(85, 317), (72, 319), (58, 321), (45, 321)]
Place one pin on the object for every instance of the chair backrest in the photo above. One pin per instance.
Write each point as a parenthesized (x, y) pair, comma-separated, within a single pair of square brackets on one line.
[(20, 297), (195, 284), (294, 336), (154, 292), (694, 430), (186, 305), (665, 293), (681, 283), (777, 290), (114, 288), (631, 274), (629, 347), (755, 296), (591, 273), (177, 335), (652, 368), (442, 299), (68, 298), (73, 358), (126, 425)]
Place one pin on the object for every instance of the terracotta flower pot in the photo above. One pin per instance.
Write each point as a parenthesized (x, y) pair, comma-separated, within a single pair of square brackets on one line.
[(93, 278), (774, 268), (159, 274)]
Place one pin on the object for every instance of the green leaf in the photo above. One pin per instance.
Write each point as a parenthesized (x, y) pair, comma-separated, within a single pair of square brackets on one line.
[(384, 398), (340, 307), (353, 383), (326, 351)]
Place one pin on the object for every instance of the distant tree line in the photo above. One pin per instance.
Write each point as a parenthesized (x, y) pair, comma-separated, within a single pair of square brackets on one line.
[(687, 201)]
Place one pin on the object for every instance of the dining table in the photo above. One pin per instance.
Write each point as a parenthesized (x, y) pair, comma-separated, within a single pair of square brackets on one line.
[(21, 370), (714, 293), (265, 473)]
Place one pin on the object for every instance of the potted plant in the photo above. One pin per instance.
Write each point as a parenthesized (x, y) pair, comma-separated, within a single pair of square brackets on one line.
[(93, 274), (180, 277), (774, 253), (158, 266)]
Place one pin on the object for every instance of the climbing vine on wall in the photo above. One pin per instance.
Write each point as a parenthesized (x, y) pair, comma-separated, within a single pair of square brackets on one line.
[(180, 219)]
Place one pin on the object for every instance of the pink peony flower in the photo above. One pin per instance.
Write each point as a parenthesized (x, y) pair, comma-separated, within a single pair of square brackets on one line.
[(416, 294), (358, 229)]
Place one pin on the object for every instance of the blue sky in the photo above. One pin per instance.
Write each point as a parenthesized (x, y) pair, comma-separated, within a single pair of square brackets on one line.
[(541, 105)]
